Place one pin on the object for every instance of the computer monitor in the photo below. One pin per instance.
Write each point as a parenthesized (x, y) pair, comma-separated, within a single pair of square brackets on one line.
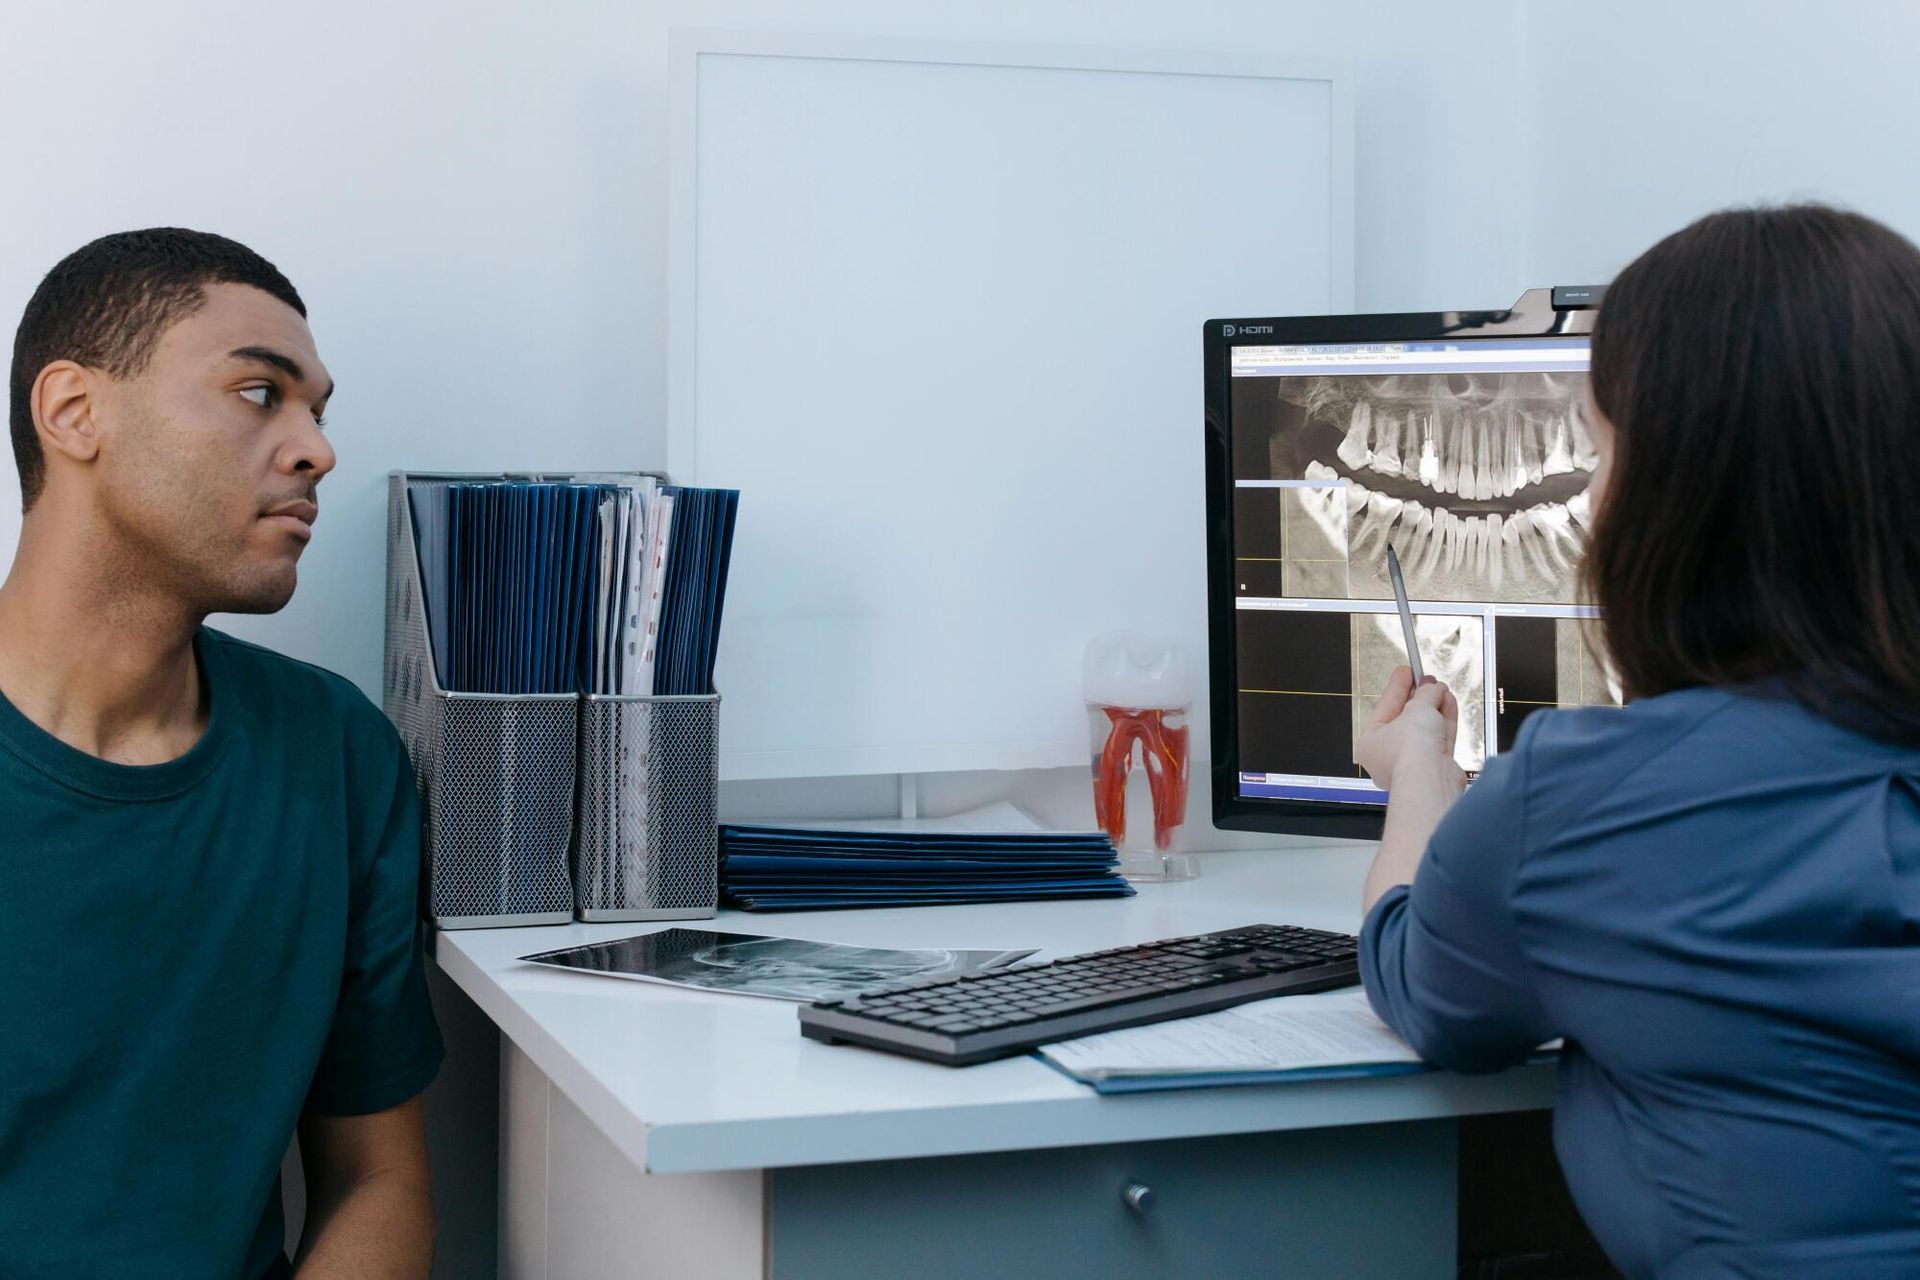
[(1458, 439)]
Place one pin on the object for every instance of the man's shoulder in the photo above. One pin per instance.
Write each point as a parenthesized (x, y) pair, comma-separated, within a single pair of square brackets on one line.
[(294, 687), (255, 665)]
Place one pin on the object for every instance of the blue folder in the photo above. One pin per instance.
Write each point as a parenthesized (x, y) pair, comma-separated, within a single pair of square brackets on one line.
[(699, 550), (765, 868)]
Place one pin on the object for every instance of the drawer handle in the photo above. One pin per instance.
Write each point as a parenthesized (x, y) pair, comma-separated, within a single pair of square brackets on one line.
[(1138, 1197)]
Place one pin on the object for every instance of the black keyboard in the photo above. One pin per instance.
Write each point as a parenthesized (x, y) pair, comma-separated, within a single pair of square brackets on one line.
[(1001, 1012)]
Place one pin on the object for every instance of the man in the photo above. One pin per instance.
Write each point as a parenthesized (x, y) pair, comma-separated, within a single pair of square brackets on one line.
[(208, 852)]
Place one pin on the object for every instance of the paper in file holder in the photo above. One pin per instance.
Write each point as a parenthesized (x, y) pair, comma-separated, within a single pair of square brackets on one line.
[(500, 774), (648, 830)]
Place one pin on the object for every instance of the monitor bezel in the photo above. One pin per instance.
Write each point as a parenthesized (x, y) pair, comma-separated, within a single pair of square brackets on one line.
[(1533, 316)]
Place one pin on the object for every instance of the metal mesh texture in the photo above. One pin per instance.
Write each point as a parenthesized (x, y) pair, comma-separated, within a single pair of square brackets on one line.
[(649, 787), (496, 773)]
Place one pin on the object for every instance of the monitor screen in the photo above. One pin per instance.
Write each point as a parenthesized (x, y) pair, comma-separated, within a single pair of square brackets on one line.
[(1468, 455)]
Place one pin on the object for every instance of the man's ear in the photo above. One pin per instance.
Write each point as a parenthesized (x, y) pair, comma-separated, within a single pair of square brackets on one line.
[(65, 398)]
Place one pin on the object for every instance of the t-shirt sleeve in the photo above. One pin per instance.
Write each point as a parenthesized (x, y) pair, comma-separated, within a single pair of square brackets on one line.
[(1442, 961), (384, 1046)]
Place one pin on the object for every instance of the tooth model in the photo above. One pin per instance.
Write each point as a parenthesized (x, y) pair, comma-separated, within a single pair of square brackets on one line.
[(1138, 689)]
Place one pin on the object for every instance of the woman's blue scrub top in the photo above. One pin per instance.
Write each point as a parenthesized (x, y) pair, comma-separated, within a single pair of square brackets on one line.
[(1714, 895)]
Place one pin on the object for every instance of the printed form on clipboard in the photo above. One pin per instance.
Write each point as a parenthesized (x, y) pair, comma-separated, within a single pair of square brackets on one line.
[(1328, 1035)]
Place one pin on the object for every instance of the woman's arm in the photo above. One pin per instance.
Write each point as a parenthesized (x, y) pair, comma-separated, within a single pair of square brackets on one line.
[(1442, 956), (1408, 751), (1423, 791)]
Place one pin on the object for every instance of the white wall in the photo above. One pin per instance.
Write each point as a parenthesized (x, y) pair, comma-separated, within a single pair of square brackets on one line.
[(472, 200), (451, 188), (1647, 114)]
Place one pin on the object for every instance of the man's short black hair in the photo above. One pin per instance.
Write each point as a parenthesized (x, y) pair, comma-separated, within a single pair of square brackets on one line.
[(106, 304)]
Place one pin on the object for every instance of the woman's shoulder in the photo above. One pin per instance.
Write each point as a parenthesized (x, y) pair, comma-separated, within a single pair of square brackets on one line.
[(1550, 735), (1587, 767), (1742, 729)]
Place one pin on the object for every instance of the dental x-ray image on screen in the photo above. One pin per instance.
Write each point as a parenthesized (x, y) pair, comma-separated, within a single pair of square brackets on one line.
[(1477, 480), (1471, 460)]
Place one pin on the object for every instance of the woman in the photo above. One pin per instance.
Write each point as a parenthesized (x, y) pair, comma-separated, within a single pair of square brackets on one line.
[(1714, 892)]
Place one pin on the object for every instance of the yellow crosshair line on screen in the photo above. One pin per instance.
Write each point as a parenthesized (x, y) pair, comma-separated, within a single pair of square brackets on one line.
[(1303, 693)]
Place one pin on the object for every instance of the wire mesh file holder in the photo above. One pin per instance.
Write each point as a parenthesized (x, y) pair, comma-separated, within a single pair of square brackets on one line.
[(495, 771), (647, 844)]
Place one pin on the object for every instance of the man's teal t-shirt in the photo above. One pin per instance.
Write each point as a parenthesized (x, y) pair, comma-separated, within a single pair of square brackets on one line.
[(192, 954)]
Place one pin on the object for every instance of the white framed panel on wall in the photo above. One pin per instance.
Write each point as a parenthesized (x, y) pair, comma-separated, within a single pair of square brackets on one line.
[(935, 308)]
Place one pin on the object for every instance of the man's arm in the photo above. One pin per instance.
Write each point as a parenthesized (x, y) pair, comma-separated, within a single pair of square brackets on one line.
[(369, 1209)]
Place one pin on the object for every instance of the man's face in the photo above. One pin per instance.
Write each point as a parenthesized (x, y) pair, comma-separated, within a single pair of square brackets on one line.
[(210, 457)]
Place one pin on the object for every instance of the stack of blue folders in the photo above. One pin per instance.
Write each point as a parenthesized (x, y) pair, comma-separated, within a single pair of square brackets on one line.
[(603, 587), (508, 571), (802, 868)]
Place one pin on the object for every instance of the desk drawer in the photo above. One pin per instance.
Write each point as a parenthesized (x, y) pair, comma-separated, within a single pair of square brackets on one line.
[(1368, 1201)]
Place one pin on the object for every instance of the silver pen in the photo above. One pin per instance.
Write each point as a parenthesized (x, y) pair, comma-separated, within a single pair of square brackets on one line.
[(1406, 616)]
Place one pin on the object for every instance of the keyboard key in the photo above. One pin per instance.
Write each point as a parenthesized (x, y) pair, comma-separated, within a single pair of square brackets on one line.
[(1094, 1002)]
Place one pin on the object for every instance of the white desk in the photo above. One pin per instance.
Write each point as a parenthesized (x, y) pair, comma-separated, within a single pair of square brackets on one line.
[(788, 1159)]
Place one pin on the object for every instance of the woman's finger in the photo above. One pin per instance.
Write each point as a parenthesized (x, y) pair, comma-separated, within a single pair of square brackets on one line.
[(1393, 699), (1436, 697)]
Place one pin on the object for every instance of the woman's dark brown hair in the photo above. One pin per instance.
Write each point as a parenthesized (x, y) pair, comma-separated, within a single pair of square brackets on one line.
[(1762, 370)]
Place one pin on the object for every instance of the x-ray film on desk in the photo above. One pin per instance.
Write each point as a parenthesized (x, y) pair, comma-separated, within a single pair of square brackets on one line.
[(1471, 460), (781, 968)]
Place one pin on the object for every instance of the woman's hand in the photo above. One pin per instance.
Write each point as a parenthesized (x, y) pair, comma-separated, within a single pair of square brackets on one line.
[(1408, 750), (1410, 724)]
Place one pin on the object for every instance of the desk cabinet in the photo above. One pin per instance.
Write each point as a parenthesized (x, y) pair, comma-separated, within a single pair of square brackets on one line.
[(1353, 1202), (645, 1131)]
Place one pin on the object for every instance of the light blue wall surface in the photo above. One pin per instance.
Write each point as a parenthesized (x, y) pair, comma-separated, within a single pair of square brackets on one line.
[(1646, 115), (472, 200)]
